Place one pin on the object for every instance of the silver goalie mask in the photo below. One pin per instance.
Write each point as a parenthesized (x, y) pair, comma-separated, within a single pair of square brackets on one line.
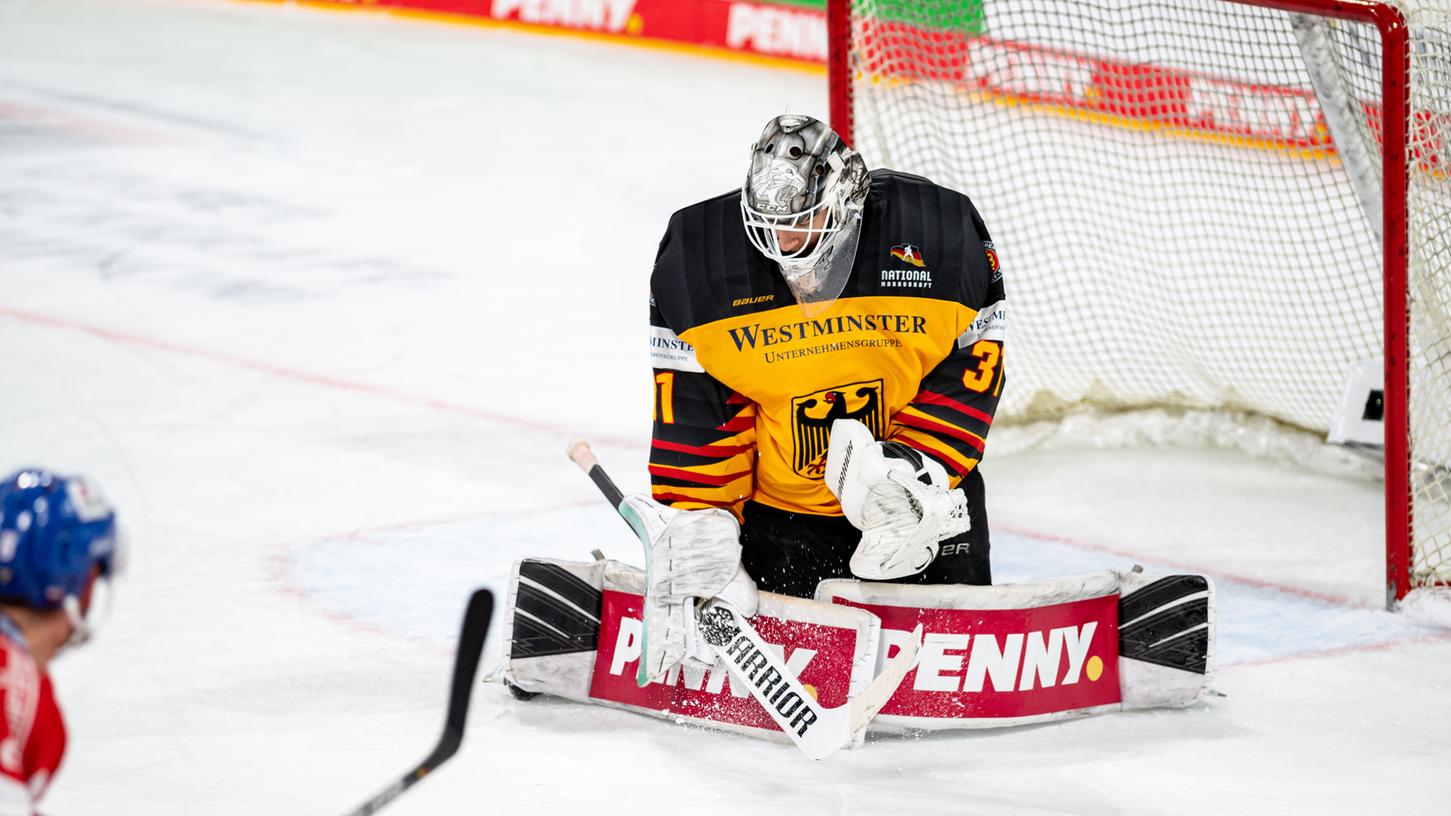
[(802, 206)]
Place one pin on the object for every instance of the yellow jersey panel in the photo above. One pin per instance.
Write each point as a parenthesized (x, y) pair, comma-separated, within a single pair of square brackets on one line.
[(861, 358)]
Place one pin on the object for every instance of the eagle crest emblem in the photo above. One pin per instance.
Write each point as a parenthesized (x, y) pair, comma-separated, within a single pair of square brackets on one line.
[(812, 415)]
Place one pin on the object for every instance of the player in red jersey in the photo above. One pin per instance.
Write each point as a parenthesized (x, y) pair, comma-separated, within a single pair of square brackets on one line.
[(58, 544)]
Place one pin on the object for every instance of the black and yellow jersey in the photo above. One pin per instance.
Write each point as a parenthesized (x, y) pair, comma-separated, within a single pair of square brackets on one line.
[(747, 384)]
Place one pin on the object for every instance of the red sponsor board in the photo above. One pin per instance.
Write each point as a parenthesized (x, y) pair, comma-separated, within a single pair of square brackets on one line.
[(1148, 94), (1134, 94), (1114, 92), (790, 32), (820, 655), (463, 8), (992, 663)]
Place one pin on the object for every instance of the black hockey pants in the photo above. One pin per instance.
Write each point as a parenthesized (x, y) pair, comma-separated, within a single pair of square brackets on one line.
[(790, 553)]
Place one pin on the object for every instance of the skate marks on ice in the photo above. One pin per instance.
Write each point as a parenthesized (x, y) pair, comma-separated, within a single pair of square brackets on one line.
[(106, 189), (402, 581)]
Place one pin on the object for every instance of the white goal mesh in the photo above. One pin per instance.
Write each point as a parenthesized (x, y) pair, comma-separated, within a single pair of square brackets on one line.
[(1186, 195)]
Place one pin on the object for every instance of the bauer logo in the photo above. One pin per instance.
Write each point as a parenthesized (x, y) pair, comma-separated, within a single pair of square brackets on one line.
[(820, 656), (1005, 663), (751, 301)]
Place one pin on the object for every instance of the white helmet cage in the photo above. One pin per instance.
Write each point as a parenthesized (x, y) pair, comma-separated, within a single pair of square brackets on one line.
[(803, 179)]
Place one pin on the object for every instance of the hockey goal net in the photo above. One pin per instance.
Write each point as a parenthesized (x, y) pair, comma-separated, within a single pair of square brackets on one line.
[(1205, 206)]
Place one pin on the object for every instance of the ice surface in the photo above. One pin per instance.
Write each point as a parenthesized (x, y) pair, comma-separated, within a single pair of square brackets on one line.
[(319, 298)]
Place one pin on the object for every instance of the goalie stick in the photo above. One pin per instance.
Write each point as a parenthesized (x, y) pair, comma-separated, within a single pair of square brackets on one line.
[(817, 730), (470, 648)]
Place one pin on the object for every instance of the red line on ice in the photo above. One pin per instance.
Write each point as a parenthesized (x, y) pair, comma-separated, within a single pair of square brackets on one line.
[(1332, 651), (325, 381), (1336, 651), (1187, 567), (306, 377), (277, 562)]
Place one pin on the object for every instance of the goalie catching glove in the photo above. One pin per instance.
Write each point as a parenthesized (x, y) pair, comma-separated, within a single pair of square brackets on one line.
[(898, 497), (692, 555)]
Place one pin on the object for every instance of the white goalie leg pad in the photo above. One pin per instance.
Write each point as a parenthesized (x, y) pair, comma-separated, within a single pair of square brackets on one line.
[(692, 554), (575, 630), (898, 497), (551, 621), (1166, 638)]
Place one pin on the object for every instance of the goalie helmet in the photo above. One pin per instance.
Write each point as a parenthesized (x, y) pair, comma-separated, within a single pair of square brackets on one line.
[(802, 205), (56, 532)]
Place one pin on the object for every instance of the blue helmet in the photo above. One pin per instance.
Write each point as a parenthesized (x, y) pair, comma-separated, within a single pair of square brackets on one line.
[(54, 531)]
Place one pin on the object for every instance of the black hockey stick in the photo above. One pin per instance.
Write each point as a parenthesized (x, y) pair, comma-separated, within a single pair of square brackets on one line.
[(470, 648), (818, 731)]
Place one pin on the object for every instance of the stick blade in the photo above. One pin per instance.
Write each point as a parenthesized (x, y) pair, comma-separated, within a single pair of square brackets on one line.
[(477, 616), (866, 705)]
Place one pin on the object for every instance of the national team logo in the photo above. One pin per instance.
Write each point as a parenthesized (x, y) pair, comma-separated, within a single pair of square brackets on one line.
[(906, 253), (812, 415), (992, 260)]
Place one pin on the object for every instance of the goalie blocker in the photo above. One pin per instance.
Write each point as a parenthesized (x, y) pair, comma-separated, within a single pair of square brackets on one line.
[(992, 656)]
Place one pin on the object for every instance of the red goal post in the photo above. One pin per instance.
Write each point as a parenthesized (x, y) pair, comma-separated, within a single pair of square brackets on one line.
[(1056, 109)]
